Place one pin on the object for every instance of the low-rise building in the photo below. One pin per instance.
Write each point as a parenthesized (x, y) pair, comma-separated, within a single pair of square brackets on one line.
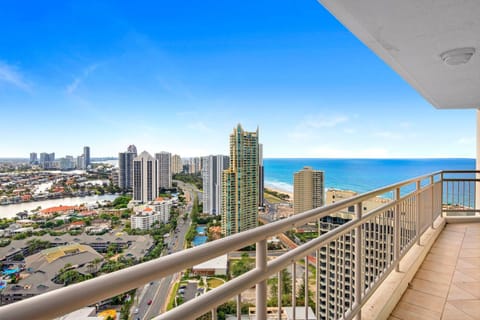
[(43, 268), (145, 216), (216, 266)]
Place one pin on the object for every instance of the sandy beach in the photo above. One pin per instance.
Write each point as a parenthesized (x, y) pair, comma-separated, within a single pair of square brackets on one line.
[(290, 194)]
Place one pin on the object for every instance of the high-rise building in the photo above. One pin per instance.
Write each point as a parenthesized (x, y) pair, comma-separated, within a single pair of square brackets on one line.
[(261, 177), (46, 160), (194, 165), (86, 157), (125, 168), (308, 190), (33, 158), (177, 165), (145, 186), (240, 183), (213, 167), (164, 169), (80, 162)]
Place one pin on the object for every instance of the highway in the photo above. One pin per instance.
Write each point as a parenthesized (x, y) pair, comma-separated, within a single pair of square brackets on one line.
[(157, 291)]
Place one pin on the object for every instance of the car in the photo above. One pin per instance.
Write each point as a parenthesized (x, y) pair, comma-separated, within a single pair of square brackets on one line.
[(135, 311), (151, 283), (149, 302)]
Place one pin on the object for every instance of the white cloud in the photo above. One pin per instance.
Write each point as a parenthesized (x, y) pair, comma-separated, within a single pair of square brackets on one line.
[(72, 87), (324, 122), (12, 76), (307, 129), (199, 126), (466, 141), (350, 130), (388, 135)]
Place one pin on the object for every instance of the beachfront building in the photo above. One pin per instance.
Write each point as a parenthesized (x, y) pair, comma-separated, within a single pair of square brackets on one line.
[(145, 187), (308, 190), (240, 183), (164, 169), (213, 167), (261, 177)]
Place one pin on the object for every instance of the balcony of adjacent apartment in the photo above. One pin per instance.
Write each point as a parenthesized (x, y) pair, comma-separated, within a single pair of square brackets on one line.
[(411, 256)]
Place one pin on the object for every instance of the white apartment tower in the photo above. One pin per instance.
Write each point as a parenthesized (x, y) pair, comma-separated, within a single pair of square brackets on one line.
[(164, 169), (145, 186), (213, 167)]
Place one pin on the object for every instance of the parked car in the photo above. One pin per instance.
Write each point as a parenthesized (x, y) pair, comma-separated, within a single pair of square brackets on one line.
[(149, 302)]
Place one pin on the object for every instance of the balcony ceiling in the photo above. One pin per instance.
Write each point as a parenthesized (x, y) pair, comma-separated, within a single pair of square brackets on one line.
[(411, 35)]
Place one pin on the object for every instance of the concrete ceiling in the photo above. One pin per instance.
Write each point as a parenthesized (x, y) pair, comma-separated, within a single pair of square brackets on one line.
[(411, 35)]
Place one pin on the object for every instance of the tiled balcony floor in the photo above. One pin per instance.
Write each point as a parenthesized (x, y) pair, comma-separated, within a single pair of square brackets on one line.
[(447, 285)]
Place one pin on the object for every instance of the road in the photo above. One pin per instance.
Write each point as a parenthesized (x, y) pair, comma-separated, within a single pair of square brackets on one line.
[(157, 291)]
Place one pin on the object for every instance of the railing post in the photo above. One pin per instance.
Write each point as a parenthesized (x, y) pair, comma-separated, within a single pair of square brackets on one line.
[(432, 182), (239, 307), (261, 288), (214, 313), (396, 230), (419, 226), (306, 286), (441, 195), (358, 261), (279, 295)]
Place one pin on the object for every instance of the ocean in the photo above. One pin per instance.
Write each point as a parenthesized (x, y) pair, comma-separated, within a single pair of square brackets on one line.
[(360, 175)]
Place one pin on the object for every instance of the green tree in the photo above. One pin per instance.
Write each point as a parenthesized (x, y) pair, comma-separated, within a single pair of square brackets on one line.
[(242, 265)]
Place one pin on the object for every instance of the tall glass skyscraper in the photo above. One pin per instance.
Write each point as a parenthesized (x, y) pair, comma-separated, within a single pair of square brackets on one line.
[(241, 183)]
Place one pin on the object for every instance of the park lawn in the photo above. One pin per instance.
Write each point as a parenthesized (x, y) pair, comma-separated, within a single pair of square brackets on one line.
[(173, 295), (213, 283), (272, 199)]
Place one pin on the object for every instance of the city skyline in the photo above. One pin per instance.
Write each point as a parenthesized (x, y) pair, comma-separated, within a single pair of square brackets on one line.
[(165, 76)]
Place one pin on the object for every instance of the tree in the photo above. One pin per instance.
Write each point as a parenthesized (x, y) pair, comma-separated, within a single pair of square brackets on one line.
[(243, 265)]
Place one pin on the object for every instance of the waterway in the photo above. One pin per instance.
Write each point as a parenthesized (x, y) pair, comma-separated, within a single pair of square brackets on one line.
[(11, 210), (201, 238)]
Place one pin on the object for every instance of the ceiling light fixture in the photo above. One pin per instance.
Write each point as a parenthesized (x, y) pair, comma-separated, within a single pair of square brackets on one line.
[(457, 56)]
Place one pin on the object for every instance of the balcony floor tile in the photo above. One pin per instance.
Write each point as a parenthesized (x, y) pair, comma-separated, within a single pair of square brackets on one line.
[(447, 285)]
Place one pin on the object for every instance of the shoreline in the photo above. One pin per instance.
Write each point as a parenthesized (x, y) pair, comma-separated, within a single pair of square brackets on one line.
[(290, 194)]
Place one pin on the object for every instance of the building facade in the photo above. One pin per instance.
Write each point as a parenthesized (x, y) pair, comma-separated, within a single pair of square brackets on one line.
[(86, 157), (144, 217), (213, 167), (240, 183), (33, 158), (261, 177), (177, 165), (125, 168), (308, 190), (164, 169), (145, 186)]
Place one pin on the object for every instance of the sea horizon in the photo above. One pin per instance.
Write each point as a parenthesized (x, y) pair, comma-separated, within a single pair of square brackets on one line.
[(358, 174)]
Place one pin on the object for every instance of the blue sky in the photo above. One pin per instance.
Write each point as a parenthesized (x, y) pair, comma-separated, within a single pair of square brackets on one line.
[(179, 75)]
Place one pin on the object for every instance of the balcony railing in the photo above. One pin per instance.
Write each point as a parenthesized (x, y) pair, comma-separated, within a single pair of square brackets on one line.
[(345, 264)]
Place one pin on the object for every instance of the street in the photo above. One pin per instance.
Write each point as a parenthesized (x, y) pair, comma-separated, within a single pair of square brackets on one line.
[(157, 291)]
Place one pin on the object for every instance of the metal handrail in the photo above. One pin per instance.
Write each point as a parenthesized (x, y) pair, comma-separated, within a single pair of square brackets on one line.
[(62, 301)]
